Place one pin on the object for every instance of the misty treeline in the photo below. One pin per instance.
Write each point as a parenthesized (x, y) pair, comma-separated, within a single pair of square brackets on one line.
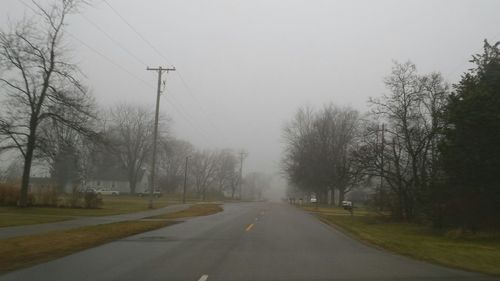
[(49, 116), (429, 152)]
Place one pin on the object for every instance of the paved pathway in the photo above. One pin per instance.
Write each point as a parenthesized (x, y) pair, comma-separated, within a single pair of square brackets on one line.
[(6, 232)]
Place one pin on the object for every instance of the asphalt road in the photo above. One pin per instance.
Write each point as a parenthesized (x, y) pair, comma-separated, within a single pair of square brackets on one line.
[(248, 241)]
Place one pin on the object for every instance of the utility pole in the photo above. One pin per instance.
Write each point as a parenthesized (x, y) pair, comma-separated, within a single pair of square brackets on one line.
[(243, 155), (160, 71), (382, 158), (185, 181), (382, 148)]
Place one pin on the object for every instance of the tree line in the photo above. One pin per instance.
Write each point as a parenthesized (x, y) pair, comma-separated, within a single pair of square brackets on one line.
[(50, 117), (429, 150)]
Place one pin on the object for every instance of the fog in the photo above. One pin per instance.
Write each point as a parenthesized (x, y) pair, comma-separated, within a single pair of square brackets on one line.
[(244, 67)]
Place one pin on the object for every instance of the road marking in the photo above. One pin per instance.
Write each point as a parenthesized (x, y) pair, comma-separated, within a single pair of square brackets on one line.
[(203, 278), (249, 227)]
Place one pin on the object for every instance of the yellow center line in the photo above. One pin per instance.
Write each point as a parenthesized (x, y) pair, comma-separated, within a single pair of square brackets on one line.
[(249, 227)]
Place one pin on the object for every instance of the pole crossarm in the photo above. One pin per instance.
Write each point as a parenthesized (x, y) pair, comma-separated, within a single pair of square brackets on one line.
[(160, 69)]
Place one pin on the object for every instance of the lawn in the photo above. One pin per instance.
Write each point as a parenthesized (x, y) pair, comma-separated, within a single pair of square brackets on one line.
[(112, 205), (479, 252)]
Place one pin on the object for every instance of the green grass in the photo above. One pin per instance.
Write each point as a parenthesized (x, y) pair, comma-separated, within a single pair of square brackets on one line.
[(26, 251), (112, 205), (480, 252)]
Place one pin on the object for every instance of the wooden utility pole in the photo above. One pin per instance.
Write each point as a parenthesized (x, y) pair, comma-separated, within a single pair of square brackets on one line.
[(160, 71), (185, 181), (243, 155), (382, 158)]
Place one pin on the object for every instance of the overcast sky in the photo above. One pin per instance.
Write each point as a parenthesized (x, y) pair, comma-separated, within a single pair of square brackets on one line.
[(248, 65)]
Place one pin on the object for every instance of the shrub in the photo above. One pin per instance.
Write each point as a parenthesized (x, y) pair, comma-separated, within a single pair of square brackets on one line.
[(10, 194), (45, 196), (92, 200), (75, 200)]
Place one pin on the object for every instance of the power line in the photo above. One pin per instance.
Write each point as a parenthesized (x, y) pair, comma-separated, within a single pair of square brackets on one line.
[(114, 41), (143, 38), (177, 106), (190, 92), (188, 120), (136, 31), (202, 110), (169, 100), (96, 51), (110, 60)]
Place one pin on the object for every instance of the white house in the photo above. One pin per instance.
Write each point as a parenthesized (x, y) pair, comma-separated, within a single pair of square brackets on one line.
[(115, 178)]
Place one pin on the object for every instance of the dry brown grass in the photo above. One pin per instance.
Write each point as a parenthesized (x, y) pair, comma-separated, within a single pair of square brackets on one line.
[(475, 253), (25, 251), (195, 210)]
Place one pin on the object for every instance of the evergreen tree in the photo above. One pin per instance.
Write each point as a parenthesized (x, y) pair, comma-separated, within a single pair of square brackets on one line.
[(471, 147)]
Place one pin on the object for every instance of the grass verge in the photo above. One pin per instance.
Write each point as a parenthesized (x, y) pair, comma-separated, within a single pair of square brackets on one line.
[(19, 252), (479, 253), (13, 218), (25, 251), (203, 209), (112, 205)]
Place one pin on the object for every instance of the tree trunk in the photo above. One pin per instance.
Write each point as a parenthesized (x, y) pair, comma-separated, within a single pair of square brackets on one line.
[(332, 196), (133, 184), (28, 159), (341, 196)]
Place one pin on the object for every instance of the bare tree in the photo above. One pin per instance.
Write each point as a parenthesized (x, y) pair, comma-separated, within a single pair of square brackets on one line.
[(227, 168), (203, 170), (172, 157), (130, 138), (66, 152), (412, 113), (234, 182), (336, 131), (318, 151), (40, 83), (255, 184), (12, 172), (299, 161)]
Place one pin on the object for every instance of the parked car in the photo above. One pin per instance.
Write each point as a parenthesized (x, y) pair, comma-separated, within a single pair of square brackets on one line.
[(313, 199), (88, 190), (346, 204), (108, 192), (145, 192)]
